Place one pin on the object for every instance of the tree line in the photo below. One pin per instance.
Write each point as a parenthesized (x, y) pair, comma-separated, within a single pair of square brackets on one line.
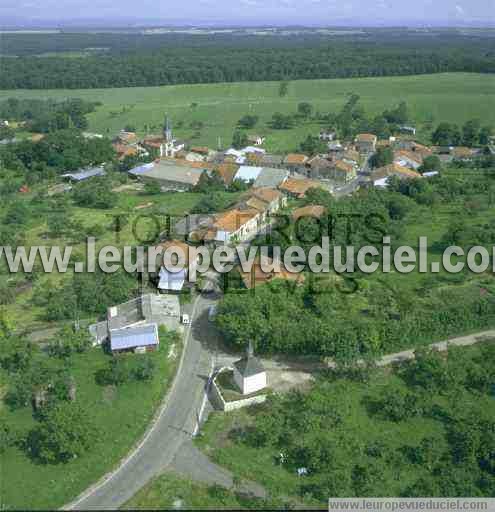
[(223, 59)]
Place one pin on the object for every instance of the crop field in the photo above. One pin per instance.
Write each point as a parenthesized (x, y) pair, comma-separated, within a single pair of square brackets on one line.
[(208, 113)]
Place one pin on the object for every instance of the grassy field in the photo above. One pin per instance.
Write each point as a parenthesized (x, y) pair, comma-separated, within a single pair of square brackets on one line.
[(170, 491), (454, 97), (121, 414)]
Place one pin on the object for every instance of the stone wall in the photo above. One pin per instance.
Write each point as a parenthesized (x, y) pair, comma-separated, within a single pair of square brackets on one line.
[(219, 401)]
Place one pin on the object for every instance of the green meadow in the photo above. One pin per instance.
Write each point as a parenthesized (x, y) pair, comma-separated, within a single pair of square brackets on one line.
[(120, 415), (453, 97)]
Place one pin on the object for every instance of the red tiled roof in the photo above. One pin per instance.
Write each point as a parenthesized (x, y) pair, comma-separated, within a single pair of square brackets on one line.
[(295, 158), (344, 166), (366, 137), (311, 210), (298, 187), (227, 172), (232, 220)]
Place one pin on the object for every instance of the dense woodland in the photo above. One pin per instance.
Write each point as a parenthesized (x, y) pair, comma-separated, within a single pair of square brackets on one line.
[(131, 60)]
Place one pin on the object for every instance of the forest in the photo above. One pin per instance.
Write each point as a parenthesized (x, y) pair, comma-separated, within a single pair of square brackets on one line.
[(130, 60)]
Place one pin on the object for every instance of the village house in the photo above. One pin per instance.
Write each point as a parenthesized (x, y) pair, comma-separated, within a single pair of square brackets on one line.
[(270, 178), (343, 172), (123, 150), (273, 161), (227, 172), (411, 159), (319, 167), (295, 162), (240, 156), (235, 225), (200, 150), (125, 137), (384, 143), (257, 140), (366, 142), (297, 187), (351, 156), (327, 136), (133, 325), (248, 173), (265, 200), (379, 178), (173, 282)]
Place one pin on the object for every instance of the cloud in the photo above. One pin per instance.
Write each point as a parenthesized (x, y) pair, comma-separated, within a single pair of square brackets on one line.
[(460, 10)]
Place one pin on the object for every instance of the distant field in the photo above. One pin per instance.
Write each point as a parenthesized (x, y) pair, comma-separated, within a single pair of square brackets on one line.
[(454, 97)]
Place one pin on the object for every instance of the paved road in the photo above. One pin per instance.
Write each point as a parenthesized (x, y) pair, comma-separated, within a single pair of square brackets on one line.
[(176, 423), (193, 463)]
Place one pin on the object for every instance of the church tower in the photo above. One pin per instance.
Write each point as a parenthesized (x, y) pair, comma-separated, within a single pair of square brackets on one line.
[(167, 130), (168, 146)]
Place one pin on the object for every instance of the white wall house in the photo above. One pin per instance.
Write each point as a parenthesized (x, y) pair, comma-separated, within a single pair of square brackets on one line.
[(237, 225)]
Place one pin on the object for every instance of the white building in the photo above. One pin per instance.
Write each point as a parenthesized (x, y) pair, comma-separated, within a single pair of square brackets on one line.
[(249, 374)]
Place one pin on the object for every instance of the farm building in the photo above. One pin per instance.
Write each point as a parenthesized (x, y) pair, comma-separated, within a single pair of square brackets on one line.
[(170, 175), (143, 338), (144, 310), (84, 174)]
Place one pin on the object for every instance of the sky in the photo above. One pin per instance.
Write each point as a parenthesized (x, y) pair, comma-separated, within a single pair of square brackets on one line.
[(250, 12)]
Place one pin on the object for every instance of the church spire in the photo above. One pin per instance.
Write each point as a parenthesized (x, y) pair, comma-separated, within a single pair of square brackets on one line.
[(167, 130)]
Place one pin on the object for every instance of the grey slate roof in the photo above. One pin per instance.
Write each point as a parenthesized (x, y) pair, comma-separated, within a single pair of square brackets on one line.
[(145, 308), (249, 366), (270, 160), (132, 337), (270, 177), (168, 171), (85, 173)]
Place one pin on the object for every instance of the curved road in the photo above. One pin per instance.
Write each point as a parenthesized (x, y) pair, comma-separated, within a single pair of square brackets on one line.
[(177, 422)]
